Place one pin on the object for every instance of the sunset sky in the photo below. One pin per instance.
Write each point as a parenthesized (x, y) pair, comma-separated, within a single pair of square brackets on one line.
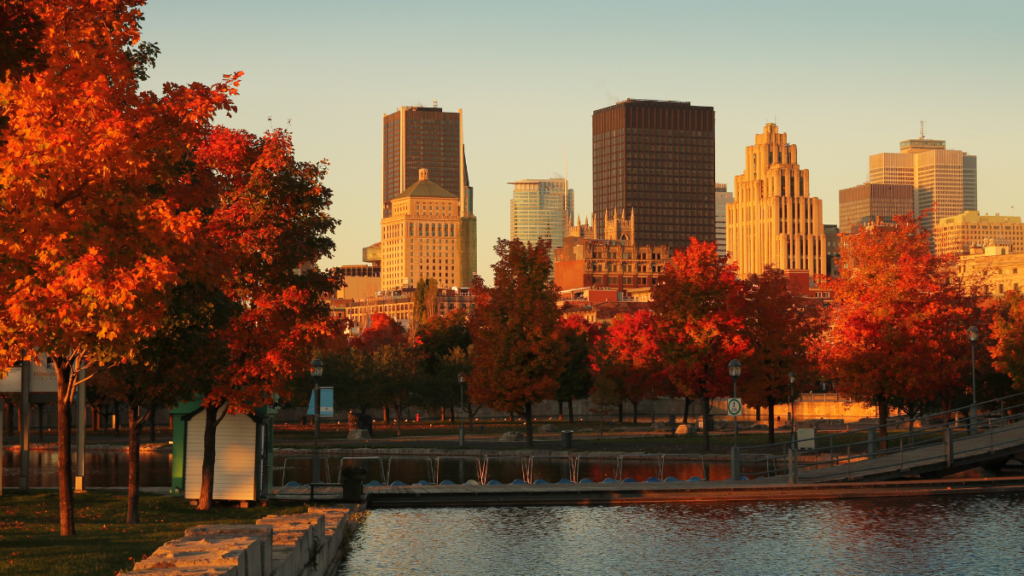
[(844, 80)]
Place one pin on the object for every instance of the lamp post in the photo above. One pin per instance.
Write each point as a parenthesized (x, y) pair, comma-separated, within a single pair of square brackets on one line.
[(792, 413), (462, 409), (316, 368), (972, 335), (734, 371)]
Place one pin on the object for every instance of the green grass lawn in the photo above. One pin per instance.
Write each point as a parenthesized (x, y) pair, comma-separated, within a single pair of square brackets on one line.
[(30, 541)]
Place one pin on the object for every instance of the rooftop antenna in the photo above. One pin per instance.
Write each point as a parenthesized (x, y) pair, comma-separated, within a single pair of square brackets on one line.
[(435, 102), (922, 129)]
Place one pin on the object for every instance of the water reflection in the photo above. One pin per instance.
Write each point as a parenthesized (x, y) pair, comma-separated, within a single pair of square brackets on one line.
[(962, 535), (102, 469)]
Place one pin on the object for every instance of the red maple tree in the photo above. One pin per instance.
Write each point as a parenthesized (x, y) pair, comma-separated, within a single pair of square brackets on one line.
[(699, 301), (100, 211), (518, 355), (634, 358)]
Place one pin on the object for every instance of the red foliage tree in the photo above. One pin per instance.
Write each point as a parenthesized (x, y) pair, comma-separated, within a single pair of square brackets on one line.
[(575, 381), (100, 211), (632, 347), (896, 330), (518, 354), (700, 301), (776, 324), (1007, 348)]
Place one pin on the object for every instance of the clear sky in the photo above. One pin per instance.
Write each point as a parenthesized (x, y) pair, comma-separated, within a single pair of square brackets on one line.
[(844, 79)]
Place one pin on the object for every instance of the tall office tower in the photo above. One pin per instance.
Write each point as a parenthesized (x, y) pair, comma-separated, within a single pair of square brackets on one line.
[(422, 238), (945, 181), (541, 209), (656, 160), (832, 246), (774, 219), (722, 198), (868, 203), (418, 137)]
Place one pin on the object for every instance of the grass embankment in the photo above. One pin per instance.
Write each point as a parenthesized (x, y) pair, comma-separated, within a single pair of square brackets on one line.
[(30, 541)]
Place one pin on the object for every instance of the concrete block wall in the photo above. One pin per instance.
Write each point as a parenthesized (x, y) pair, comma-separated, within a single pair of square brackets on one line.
[(291, 545)]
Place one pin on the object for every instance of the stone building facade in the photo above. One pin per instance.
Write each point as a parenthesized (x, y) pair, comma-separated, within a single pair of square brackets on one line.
[(958, 234), (614, 262), (774, 219)]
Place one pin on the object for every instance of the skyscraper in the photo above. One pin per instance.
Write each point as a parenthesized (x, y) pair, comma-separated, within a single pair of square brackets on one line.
[(869, 202), (945, 181), (420, 138), (541, 209), (656, 160), (774, 219), (722, 198)]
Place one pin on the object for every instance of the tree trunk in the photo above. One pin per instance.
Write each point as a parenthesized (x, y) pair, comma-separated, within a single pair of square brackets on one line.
[(8, 417), (634, 410), (708, 423), (686, 410), (570, 410), (387, 415), (620, 412), (134, 430), (398, 419), (560, 410), (117, 419), (883, 421), (771, 421), (757, 414), (65, 483), (209, 458), (152, 424), (529, 424)]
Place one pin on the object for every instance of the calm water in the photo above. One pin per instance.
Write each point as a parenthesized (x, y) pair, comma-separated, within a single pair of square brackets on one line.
[(102, 469), (963, 535)]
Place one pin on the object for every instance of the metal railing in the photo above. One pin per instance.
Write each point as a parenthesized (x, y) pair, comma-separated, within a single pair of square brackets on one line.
[(911, 446)]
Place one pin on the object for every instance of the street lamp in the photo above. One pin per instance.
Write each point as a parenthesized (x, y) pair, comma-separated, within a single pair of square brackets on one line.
[(462, 408), (972, 335), (734, 371), (792, 412), (316, 368)]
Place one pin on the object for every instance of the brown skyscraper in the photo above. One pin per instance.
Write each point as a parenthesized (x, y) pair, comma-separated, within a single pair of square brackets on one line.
[(656, 160), (417, 137), (869, 202)]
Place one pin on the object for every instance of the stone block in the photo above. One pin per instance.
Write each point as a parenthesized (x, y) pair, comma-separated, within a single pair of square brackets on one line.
[(335, 520), (659, 426), (217, 551), (511, 437), (295, 537), (359, 434), (263, 534)]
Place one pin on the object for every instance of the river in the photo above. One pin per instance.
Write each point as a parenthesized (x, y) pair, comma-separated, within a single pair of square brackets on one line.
[(939, 535)]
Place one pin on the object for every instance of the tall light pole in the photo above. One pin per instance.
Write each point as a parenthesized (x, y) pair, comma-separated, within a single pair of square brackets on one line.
[(316, 368), (972, 335), (462, 409), (734, 371), (792, 413)]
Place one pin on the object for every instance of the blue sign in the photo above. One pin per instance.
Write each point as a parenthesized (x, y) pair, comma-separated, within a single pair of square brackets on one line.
[(326, 402)]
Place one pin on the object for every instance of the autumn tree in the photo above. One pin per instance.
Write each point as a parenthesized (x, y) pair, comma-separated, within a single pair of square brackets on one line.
[(575, 381), (699, 302), (168, 367), (635, 360), (100, 207), (777, 324), (438, 338), (518, 354), (1007, 348), (897, 325), (271, 223)]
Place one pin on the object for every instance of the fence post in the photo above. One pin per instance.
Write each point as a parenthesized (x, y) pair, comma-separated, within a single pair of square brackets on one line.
[(794, 472), (871, 443), (949, 447), (735, 463)]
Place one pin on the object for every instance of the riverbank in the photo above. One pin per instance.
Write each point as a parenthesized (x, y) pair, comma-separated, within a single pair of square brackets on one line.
[(31, 544)]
